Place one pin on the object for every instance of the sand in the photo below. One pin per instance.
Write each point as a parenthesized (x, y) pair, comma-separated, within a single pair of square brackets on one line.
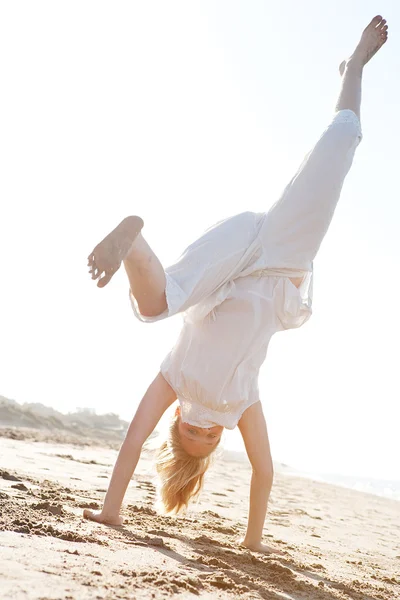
[(336, 543)]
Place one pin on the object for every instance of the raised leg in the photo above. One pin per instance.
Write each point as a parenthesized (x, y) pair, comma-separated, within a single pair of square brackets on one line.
[(222, 253), (125, 244), (296, 225)]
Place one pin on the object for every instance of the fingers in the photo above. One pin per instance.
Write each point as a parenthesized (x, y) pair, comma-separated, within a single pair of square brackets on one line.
[(88, 514)]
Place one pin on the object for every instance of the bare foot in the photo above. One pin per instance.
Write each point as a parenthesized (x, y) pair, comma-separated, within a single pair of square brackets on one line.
[(96, 515), (108, 255), (372, 39), (260, 548)]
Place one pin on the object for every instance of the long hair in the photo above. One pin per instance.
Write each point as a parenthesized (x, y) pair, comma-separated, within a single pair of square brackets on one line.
[(181, 475)]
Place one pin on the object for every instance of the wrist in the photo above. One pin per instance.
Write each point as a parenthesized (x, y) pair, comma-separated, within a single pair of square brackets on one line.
[(251, 542), (253, 546)]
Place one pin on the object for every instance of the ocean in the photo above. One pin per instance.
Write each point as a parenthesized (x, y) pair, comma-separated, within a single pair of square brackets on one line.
[(378, 487)]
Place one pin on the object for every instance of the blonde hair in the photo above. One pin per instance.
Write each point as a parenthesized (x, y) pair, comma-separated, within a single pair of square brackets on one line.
[(180, 473)]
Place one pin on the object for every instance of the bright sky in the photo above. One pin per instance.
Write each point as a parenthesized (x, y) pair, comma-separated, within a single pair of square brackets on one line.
[(185, 113)]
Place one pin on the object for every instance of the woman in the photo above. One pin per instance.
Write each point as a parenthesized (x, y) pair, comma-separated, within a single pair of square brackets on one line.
[(245, 279)]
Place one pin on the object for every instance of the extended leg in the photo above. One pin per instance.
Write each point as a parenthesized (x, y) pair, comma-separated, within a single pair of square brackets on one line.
[(222, 253), (296, 225)]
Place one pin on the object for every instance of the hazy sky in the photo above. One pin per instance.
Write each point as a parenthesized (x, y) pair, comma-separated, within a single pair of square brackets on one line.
[(185, 113)]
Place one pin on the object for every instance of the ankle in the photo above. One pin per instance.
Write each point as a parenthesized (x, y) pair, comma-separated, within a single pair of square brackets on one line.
[(354, 65)]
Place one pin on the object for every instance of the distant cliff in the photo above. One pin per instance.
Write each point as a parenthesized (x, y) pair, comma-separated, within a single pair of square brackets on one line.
[(79, 424)]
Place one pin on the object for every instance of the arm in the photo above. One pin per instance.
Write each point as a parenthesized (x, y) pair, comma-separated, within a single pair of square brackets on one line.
[(155, 402), (253, 428)]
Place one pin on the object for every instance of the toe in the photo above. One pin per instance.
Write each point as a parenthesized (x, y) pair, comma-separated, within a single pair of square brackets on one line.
[(95, 273), (93, 269), (105, 279), (376, 20)]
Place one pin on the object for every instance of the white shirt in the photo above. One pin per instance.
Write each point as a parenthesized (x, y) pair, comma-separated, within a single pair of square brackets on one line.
[(215, 363)]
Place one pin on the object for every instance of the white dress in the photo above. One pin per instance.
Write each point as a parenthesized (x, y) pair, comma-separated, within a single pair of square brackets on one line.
[(232, 285)]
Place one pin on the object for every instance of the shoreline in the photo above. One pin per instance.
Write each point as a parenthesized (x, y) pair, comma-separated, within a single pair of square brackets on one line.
[(336, 543)]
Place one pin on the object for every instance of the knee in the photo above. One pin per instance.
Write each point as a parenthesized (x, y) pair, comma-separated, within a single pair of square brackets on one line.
[(149, 305), (149, 311)]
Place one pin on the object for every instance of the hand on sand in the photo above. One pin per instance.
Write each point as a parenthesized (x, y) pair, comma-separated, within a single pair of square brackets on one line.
[(259, 547), (97, 515)]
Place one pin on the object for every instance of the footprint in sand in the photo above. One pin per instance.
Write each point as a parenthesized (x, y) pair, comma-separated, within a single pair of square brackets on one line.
[(92, 505), (7, 476), (226, 530), (204, 539), (211, 513), (54, 509), (160, 532), (279, 513), (20, 486), (212, 562), (317, 567)]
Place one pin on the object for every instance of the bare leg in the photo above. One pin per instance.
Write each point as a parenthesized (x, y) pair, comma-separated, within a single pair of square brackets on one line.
[(146, 278), (372, 39), (145, 272)]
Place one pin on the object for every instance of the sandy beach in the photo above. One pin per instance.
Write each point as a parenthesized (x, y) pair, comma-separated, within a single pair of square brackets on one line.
[(335, 543)]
